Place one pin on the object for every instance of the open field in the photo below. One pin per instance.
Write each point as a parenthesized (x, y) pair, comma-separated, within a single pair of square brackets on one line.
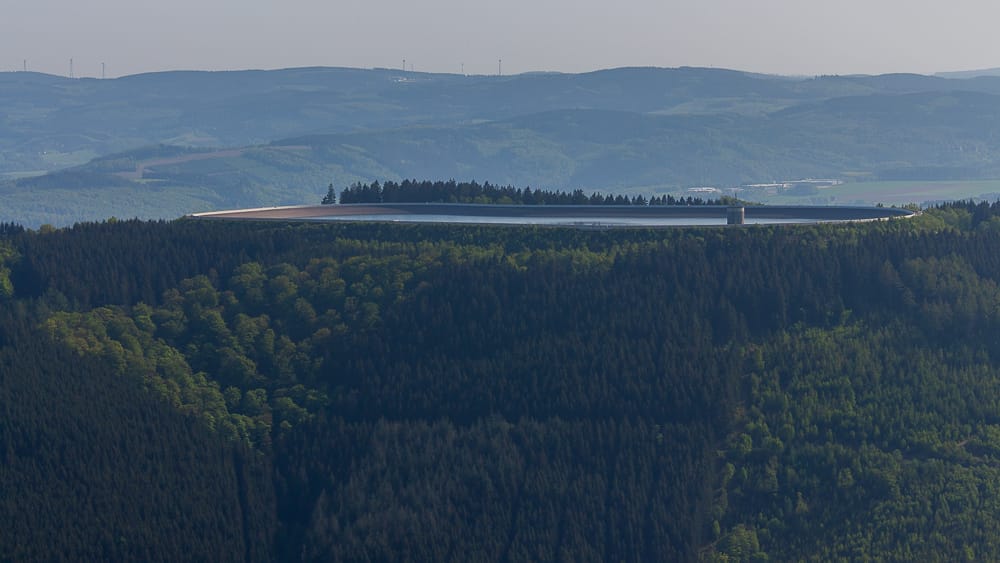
[(63, 207), (21, 174)]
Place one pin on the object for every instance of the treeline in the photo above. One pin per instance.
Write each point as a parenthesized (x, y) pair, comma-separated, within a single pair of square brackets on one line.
[(346, 392), (412, 191), (10, 229)]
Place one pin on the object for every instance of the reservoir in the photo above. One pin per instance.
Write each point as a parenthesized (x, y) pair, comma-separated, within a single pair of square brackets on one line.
[(580, 216), (559, 221)]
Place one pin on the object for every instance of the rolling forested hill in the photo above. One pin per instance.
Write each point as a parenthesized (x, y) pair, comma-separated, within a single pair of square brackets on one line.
[(165, 144), (50, 114), (391, 392)]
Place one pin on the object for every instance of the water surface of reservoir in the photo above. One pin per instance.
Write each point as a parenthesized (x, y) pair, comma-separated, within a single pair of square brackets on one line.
[(582, 216)]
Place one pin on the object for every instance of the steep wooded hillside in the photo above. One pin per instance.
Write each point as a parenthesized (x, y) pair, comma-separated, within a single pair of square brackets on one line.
[(397, 392)]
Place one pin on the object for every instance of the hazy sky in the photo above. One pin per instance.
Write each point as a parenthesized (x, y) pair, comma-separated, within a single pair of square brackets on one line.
[(802, 37)]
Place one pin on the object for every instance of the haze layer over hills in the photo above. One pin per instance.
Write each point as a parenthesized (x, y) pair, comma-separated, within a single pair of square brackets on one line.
[(165, 144)]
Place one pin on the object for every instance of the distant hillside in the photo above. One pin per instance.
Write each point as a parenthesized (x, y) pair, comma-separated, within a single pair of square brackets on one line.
[(49, 122), (970, 73), (923, 136), (165, 144)]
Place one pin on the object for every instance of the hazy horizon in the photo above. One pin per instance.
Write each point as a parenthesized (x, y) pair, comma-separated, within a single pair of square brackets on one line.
[(97, 75), (780, 37)]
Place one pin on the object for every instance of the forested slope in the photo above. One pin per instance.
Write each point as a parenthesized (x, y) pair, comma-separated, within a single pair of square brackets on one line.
[(416, 392), (96, 468)]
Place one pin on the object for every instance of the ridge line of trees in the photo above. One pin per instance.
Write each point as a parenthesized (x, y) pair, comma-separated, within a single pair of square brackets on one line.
[(413, 191)]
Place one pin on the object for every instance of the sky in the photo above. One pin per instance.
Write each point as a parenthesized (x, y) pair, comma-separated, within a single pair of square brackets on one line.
[(791, 37)]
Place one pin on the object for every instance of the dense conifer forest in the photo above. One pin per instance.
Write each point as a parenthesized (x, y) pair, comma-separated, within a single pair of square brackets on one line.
[(413, 191), (194, 390)]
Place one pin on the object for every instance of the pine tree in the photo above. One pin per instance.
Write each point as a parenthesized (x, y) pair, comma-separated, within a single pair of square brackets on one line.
[(331, 195)]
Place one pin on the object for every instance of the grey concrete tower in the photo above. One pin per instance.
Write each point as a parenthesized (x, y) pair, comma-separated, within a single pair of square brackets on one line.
[(735, 215)]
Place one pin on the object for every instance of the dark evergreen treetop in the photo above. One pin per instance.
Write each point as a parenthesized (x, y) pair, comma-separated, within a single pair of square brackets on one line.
[(412, 191)]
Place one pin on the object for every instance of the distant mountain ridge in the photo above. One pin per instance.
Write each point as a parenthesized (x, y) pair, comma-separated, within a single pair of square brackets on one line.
[(275, 137), (49, 114), (969, 73)]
